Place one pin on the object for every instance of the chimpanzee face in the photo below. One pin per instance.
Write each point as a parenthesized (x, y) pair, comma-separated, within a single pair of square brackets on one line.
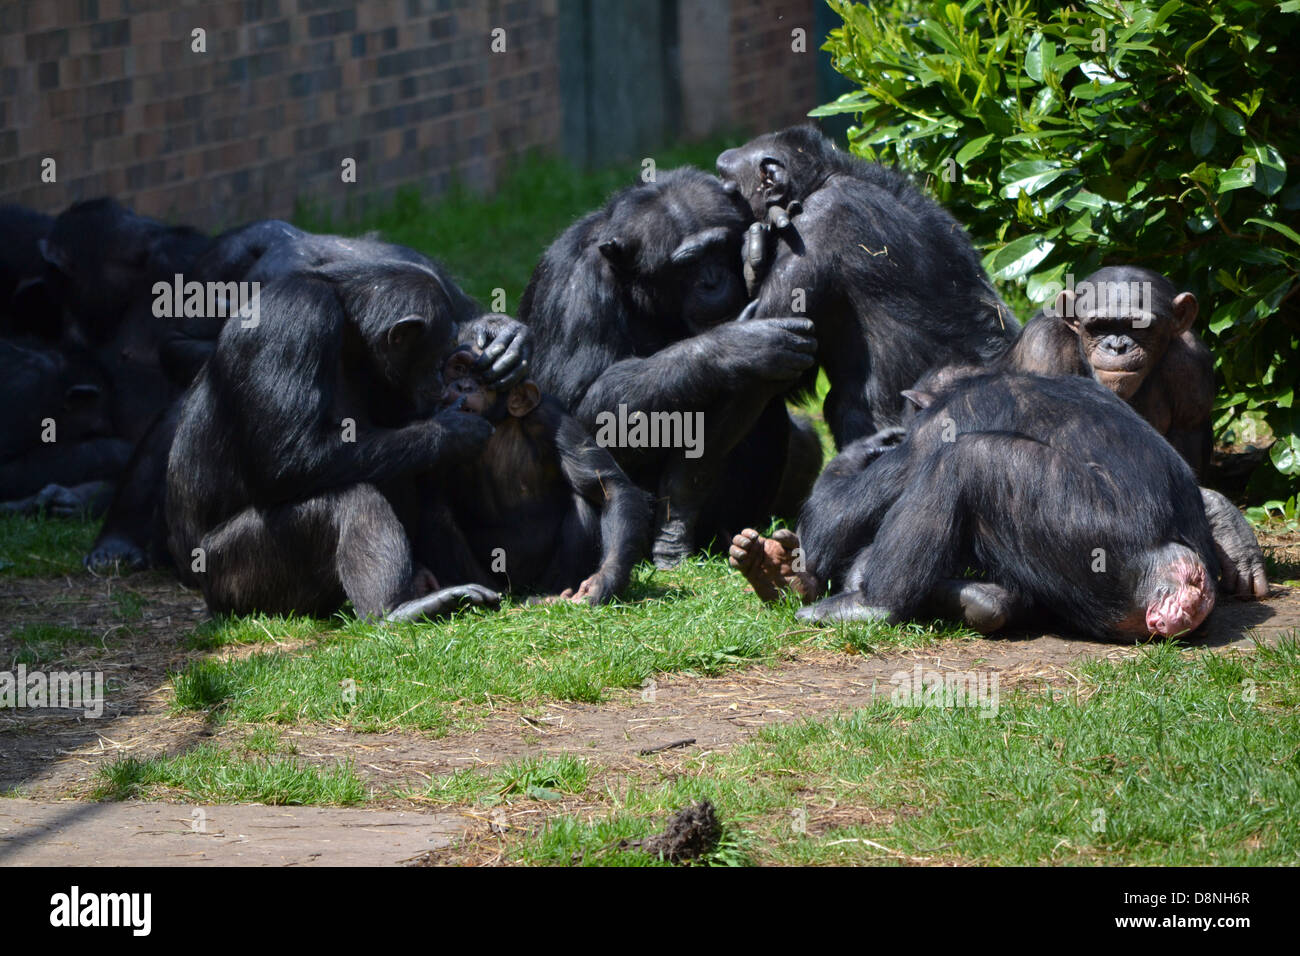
[(678, 242), (1125, 325), (463, 381)]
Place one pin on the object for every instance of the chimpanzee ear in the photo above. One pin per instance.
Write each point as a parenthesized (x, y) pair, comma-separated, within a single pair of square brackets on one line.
[(403, 333), (523, 398), (696, 244), (1065, 310), (1185, 310), (773, 176), (52, 254), (617, 252), (922, 400)]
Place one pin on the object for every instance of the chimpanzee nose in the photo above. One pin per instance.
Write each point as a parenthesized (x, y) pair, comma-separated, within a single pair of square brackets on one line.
[(727, 163), (1117, 345)]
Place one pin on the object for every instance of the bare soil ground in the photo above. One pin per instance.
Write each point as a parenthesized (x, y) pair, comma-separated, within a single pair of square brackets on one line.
[(51, 758)]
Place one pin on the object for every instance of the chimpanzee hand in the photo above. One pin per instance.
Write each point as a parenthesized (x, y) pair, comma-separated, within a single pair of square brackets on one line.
[(597, 589), (1241, 560), (769, 349), (507, 348), (754, 258), (458, 434), (866, 450)]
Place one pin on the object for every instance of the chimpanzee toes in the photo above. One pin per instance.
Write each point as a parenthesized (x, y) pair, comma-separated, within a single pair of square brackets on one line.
[(672, 545), (443, 602), (114, 554)]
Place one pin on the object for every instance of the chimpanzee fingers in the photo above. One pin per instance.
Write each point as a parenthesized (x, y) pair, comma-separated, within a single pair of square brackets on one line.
[(506, 360), (1259, 581), (747, 313)]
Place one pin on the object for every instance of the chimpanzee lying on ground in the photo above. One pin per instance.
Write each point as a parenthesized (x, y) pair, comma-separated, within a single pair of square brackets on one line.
[(291, 484), (630, 311), (888, 277), (1058, 495), (541, 508), (57, 453), (1131, 329)]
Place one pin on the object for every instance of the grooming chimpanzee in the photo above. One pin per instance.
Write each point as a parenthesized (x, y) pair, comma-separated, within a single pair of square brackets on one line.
[(1131, 329), (291, 480), (134, 531), (541, 508), (631, 308), (56, 449), (26, 310), (888, 277), (1057, 493)]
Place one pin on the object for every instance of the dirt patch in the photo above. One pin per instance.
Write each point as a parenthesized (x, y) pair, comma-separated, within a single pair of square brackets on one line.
[(136, 634)]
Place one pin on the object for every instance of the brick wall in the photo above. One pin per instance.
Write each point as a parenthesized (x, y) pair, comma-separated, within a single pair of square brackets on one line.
[(111, 90), (771, 85)]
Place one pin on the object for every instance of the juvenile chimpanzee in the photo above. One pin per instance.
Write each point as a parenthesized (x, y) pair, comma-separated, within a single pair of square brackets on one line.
[(1057, 493), (291, 480), (541, 508), (630, 313), (56, 444), (1131, 329), (888, 277)]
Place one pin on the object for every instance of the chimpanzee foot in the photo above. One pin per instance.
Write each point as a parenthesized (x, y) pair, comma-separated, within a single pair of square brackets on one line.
[(444, 601), (845, 606), (981, 605), (673, 544), (768, 564), (115, 554)]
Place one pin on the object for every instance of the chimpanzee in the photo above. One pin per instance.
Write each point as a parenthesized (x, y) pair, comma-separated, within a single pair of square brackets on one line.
[(54, 430), (888, 277), (133, 534), (630, 313), (291, 479), (1131, 329), (1056, 492), (100, 258), (541, 508), (26, 310)]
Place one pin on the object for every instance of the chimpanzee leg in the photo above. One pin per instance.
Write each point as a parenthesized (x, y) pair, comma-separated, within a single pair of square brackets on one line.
[(134, 532), (307, 557), (686, 484), (577, 549), (64, 464)]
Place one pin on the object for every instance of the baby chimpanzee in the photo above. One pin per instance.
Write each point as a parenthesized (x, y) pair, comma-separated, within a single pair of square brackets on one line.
[(542, 508)]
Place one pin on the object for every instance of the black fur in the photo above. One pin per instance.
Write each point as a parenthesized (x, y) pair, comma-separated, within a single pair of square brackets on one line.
[(1020, 478), (889, 278), (632, 306)]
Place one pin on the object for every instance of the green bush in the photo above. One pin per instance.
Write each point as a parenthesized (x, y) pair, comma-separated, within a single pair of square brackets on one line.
[(1106, 133)]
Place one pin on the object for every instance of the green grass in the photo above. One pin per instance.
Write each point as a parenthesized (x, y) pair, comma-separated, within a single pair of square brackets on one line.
[(494, 242), (437, 677), (43, 547), (209, 774), (41, 642), (1172, 757)]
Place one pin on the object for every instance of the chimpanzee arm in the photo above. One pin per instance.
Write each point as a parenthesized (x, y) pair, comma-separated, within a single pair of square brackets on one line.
[(624, 509), (292, 417), (1240, 558), (697, 372)]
